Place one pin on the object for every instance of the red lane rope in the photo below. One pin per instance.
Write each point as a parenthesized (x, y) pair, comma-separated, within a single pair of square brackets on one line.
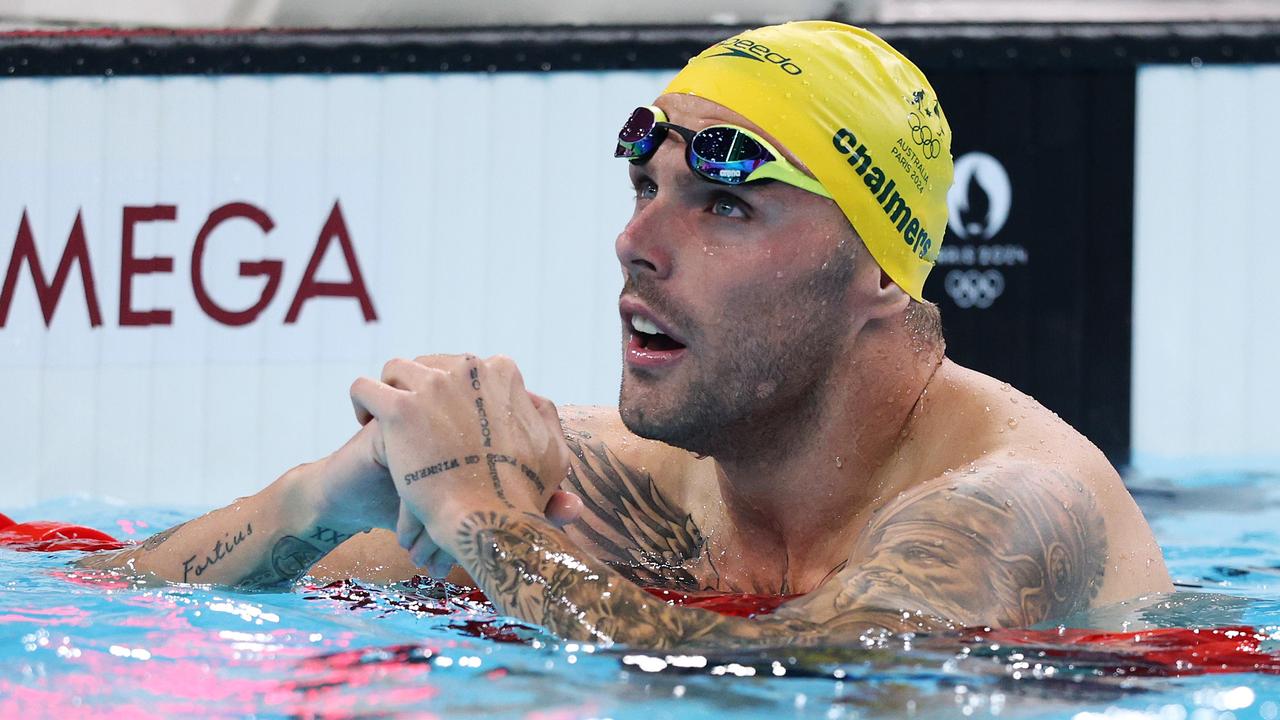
[(48, 536)]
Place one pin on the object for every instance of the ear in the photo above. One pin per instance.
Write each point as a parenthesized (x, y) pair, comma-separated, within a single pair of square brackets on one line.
[(880, 297), (890, 300)]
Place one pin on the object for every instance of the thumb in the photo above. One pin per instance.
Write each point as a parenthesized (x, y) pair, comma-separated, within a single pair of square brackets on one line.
[(563, 508)]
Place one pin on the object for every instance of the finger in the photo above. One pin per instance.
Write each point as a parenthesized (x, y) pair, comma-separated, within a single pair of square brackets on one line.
[(408, 528), (551, 418), (422, 550), (371, 397), (363, 416), (547, 409), (507, 375), (407, 374), (376, 444), (454, 365), (440, 563), (563, 508)]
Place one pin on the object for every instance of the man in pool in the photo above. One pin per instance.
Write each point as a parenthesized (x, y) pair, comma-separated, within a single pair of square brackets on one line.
[(787, 424)]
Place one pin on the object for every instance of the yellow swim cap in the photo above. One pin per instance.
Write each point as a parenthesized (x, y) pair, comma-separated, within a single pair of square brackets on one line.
[(861, 116)]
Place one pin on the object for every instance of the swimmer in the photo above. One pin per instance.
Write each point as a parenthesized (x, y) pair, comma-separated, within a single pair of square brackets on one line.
[(788, 422)]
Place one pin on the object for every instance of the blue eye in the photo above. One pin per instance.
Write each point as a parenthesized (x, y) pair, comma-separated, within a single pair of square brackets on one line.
[(646, 190), (727, 206)]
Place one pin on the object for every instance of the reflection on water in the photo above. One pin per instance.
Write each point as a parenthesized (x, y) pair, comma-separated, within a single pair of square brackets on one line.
[(71, 646)]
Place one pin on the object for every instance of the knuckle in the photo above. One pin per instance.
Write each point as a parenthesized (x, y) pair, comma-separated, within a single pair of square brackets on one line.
[(392, 365), (501, 363)]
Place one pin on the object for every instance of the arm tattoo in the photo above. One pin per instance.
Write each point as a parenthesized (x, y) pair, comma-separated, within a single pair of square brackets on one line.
[(1010, 550), (193, 567), (158, 539), (290, 558), (646, 538), (530, 570)]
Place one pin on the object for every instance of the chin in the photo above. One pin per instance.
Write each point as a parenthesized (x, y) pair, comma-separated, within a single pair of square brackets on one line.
[(679, 425)]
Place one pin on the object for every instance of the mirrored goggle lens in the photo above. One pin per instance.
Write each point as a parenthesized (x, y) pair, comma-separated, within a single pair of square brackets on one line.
[(637, 137), (727, 155)]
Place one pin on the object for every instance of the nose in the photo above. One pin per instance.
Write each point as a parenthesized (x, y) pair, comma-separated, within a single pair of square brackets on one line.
[(642, 246)]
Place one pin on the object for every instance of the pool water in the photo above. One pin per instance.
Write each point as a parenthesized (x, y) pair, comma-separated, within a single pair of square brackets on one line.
[(72, 645)]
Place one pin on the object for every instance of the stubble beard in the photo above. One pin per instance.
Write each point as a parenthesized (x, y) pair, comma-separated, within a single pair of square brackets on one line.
[(765, 379)]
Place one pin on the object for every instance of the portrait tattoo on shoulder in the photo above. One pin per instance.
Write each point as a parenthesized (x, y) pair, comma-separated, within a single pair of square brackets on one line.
[(640, 533), (1010, 549)]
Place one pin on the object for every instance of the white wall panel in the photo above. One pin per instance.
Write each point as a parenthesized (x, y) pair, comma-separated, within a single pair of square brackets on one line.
[(1206, 331), (482, 210)]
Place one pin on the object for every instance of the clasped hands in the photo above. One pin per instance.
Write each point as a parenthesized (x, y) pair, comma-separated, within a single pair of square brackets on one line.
[(461, 434)]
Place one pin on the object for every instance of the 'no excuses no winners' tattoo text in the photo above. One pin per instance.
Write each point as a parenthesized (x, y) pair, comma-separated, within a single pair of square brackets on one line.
[(491, 460)]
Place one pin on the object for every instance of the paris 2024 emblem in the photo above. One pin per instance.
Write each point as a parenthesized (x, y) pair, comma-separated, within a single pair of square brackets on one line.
[(978, 205)]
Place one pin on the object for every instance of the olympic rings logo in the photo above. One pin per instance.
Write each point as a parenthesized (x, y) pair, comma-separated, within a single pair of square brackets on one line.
[(922, 135), (974, 288)]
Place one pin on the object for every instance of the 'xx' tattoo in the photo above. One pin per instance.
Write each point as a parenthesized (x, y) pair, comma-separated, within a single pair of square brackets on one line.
[(329, 535)]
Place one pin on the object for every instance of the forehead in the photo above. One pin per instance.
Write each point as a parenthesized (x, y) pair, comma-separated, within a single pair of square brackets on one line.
[(696, 113)]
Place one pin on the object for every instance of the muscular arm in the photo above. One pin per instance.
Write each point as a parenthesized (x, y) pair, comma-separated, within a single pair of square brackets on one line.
[(1011, 548), (628, 521), (266, 540), (283, 534)]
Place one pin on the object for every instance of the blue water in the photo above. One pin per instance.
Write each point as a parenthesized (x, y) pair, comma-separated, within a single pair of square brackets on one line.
[(74, 647)]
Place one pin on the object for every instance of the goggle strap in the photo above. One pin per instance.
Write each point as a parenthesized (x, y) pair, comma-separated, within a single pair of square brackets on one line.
[(791, 175)]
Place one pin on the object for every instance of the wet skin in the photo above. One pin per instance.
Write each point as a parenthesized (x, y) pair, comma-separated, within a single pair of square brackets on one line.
[(797, 436), (848, 462)]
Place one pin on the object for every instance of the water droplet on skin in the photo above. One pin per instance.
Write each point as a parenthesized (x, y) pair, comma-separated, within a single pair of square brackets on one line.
[(987, 408), (1011, 453), (1008, 503), (1006, 387), (952, 487), (1013, 423), (778, 274), (839, 461)]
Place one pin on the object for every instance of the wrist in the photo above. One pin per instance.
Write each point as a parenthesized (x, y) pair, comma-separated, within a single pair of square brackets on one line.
[(298, 497), (306, 511)]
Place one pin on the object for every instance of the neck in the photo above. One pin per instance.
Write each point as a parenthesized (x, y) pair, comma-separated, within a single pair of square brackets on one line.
[(793, 495)]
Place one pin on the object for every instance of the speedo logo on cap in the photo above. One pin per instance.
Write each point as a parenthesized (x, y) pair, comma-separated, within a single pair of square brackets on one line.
[(893, 203), (744, 48)]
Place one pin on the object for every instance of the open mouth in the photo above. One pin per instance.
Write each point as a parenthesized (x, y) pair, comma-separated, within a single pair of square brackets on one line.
[(649, 337)]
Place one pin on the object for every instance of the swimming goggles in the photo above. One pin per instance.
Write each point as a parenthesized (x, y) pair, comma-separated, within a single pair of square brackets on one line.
[(724, 154)]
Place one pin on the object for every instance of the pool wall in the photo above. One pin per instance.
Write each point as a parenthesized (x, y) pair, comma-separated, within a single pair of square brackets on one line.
[(1206, 334), (231, 227)]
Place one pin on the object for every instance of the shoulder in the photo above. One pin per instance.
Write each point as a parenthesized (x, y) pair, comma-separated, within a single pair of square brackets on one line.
[(1007, 544)]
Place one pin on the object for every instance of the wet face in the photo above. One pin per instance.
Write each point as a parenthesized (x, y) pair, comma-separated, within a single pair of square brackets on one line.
[(734, 304)]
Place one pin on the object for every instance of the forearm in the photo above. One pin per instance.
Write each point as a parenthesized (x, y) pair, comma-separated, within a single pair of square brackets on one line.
[(265, 540), (533, 571)]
